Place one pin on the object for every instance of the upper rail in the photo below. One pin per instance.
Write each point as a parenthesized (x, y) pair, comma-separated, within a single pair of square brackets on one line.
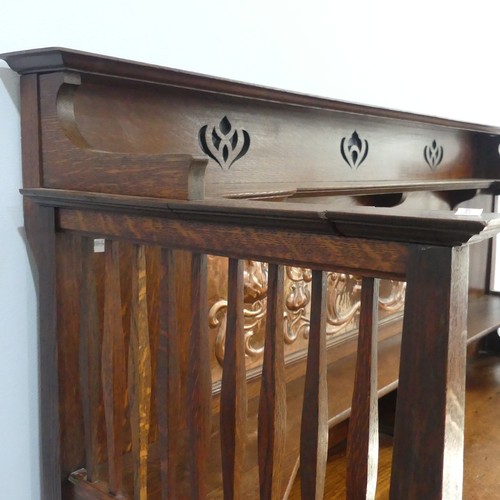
[(392, 224), (372, 241)]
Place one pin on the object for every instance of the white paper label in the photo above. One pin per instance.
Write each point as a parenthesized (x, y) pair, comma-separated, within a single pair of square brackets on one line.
[(99, 245), (469, 211)]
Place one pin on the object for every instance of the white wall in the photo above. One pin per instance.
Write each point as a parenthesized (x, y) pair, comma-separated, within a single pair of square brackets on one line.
[(432, 57)]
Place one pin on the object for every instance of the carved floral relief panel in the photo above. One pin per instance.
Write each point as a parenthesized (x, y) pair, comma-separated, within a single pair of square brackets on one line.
[(342, 311)]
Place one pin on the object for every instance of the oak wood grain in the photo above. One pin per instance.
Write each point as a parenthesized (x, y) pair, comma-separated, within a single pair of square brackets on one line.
[(272, 401), (439, 227), (139, 373), (428, 443), (68, 270), (113, 371), (384, 259), (133, 131), (89, 357), (79, 488), (168, 378), (199, 382), (56, 59), (45, 250), (233, 403), (314, 424), (362, 449), (153, 277)]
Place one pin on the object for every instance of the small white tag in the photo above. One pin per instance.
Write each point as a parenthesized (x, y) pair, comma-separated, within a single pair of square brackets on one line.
[(469, 211), (99, 245)]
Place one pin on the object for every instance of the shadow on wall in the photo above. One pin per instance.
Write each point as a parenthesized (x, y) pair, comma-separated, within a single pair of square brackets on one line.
[(10, 81)]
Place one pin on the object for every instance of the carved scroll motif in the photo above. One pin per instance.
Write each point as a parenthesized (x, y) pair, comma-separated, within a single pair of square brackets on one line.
[(298, 298), (343, 305), (394, 300), (343, 301), (255, 291)]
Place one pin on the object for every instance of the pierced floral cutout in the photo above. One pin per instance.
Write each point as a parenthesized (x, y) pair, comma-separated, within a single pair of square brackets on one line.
[(433, 155), (354, 151), (223, 143)]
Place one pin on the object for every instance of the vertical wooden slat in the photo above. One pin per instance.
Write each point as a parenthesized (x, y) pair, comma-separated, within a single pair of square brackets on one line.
[(153, 276), (428, 440), (139, 373), (362, 444), (314, 425), (233, 391), (199, 383), (113, 370), (43, 241), (272, 403), (89, 357), (168, 378)]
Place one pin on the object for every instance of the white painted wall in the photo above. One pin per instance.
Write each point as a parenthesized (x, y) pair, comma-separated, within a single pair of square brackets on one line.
[(432, 57)]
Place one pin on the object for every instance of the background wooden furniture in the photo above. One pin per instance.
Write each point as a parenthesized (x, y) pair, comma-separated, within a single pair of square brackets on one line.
[(108, 146)]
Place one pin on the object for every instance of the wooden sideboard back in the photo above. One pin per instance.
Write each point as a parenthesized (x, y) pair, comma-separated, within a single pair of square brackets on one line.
[(102, 125)]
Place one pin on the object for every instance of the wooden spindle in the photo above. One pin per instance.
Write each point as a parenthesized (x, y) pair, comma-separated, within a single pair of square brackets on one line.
[(113, 370), (362, 445), (199, 382), (314, 425), (233, 391), (89, 357), (272, 403), (168, 378), (139, 373)]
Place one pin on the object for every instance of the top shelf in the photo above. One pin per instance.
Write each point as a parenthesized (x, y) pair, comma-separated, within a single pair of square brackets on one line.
[(51, 59), (383, 187), (365, 188)]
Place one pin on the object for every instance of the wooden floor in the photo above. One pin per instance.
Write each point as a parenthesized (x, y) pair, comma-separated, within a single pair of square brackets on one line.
[(482, 440)]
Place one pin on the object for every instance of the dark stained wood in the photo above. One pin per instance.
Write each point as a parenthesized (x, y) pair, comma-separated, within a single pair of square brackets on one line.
[(414, 226), (168, 383), (272, 403), (335, 484), (233, 403), (482, 316), (482, 442), (80, 488), (139, 374), (90, 362), (101, 104), (428, 445), (57, 59), (314, 424), (72, 163), (129, 137), (44, 239), (351, 255), (31, 149), (199, 382), (30, 116), (362, 450), (68, 263), (153, 276), (113, 370), (401, 186)]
